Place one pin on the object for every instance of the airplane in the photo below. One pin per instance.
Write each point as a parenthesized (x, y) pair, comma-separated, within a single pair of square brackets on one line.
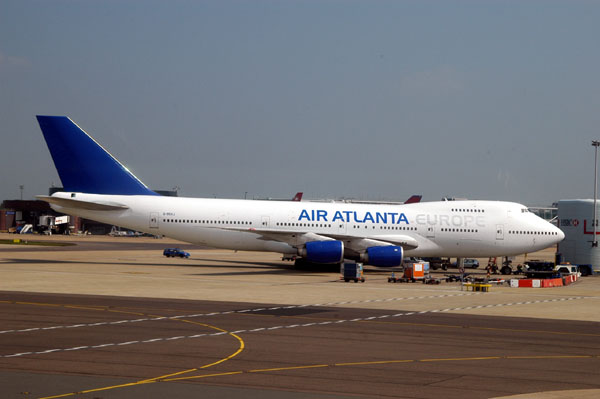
[(413, 199), (98, 187)]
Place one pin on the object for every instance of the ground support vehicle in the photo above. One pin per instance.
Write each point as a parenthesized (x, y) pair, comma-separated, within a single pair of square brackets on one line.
[(450, 278), (468, 263), (352, 272), (580, 270), (568, 270), (431, 280), (413, 272), (563, 268), (401, 280), (174, 252), (438, 263), (477, 287), (394, 279)]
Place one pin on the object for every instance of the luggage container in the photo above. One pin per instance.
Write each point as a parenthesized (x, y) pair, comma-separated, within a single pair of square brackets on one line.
[(414, 271), (352, 271)]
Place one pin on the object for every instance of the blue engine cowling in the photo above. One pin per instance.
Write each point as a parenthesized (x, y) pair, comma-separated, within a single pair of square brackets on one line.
[(385, 256), (323, 251)]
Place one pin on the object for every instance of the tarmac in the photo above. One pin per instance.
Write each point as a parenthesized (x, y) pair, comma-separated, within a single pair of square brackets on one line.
[(110, 317)]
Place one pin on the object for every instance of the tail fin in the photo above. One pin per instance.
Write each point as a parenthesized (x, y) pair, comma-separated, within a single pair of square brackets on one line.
[(83, 165), (414, 199)]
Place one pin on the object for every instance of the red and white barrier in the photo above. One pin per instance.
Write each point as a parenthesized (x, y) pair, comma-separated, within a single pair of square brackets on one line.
[(542, 283), (552, 282), (571, 278)]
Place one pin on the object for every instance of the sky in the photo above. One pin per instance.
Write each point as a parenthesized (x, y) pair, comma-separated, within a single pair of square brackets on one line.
[(372, 100)]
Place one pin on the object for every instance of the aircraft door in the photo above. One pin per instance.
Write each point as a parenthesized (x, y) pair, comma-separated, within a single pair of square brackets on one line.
[(431, 231), (264, 222), (499, 232), (154, 220)]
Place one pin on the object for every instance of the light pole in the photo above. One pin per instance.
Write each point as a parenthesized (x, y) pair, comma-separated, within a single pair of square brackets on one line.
[(21, 187), (595, 144)]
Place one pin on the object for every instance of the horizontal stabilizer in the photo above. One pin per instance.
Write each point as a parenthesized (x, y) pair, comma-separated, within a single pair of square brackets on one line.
[(78, 204)]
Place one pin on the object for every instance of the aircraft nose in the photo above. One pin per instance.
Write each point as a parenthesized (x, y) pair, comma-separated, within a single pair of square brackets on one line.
[(561, 235)]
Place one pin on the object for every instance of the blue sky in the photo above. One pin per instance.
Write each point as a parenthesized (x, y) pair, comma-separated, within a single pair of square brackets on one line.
[(364, 99)]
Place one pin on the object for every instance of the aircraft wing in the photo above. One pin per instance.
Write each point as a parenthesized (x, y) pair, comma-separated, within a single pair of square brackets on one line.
[(406, 242), (357, 244)]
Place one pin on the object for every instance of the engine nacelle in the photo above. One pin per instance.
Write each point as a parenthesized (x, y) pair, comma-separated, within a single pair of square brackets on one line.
[(385, 256), (323, 251)]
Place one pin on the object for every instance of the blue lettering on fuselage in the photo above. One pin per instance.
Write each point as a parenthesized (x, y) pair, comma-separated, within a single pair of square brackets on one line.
[(403, 218), (337, 216), (321, 215), (304, 215)]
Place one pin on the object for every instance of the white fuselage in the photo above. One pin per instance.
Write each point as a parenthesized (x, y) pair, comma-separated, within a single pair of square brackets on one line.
[(449, 229)]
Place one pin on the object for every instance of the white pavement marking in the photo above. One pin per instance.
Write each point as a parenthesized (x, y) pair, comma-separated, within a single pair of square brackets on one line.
[(98, 346), (78, 348), (274, 328), (189, 316), (160, 339), (48, 351)]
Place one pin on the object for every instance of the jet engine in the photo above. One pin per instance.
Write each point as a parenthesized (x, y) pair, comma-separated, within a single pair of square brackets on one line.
[(385, 256), (323, 251)]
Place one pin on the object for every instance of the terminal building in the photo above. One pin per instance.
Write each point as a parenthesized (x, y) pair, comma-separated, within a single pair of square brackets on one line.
[(37, 216), (576, 220)]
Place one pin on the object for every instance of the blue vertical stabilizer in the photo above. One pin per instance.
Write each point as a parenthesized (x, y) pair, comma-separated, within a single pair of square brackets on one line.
[(83, 165)]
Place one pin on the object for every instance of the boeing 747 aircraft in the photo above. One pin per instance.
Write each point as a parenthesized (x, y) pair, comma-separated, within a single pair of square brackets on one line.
[(98, 187)]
